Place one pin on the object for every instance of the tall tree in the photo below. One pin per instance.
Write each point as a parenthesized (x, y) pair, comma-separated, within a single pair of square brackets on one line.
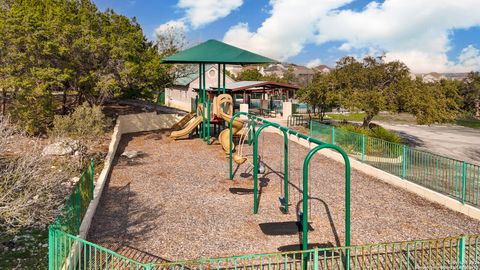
[(249, 75), (370, 85), (69, 47), (470, 91), (320, 94)]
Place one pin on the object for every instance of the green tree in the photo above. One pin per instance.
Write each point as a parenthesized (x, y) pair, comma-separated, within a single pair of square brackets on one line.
[(69, 47), (320, 94), (370, 85), (435, 102), (470, 92), (249, 75)]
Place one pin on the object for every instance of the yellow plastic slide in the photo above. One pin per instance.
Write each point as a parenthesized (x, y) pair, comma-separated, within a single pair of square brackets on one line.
[(237, 125), (183, 122), (189, 128)]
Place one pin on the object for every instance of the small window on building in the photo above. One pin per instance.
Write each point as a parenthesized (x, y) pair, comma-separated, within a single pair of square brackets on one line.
[(211, 73)]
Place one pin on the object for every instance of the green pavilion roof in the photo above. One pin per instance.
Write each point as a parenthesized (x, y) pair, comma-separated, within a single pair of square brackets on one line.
[(216, 52)]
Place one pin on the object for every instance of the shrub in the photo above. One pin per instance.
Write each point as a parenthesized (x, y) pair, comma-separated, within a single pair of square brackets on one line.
[(30, 184), (85, 122), (372, 131)]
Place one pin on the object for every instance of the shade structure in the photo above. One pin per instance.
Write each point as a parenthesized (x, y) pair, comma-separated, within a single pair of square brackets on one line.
[(216, 52), (256, 86)]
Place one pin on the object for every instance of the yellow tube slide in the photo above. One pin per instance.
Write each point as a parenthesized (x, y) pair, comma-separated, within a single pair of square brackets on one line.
[(189, 128), (221, 102)]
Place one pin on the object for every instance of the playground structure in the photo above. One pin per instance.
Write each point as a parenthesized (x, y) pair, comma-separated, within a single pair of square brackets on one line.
[(77, 253), (223, 109)]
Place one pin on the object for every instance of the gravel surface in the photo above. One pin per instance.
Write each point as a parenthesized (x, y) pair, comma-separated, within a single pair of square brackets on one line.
[(175, 202)]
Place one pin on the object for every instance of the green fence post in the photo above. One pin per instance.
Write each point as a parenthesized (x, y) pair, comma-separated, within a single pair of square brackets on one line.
[(404, 160), (92, 179), (333, 135), (461, 253), (363, 147), (78, 210), (464, 181), (311, 128), (51, 248), (315, 259)]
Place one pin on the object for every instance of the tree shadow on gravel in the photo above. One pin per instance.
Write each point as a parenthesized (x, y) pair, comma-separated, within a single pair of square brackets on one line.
[(118, 223), (140, 255)]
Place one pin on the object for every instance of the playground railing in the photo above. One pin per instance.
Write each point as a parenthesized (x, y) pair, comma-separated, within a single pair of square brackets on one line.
[(296, 120), (454, 178), (71, 215), (446, 253), (460, 252)]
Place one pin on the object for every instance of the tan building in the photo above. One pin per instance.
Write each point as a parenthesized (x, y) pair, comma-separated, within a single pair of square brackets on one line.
[(182, 95)]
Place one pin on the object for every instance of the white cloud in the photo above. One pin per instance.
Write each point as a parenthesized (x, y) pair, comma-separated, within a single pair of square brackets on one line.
[(284, 34), (171, 25), (345, 47), (470, 58), (313, 63), (415, 32), (202, 12)]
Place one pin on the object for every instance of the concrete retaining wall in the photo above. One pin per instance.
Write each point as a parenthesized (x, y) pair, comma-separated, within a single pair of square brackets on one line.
[(125, 124)]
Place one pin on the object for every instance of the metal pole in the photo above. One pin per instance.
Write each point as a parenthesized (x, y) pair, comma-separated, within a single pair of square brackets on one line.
[(461, 253), (404, 160), (208, 121), (333, 135), (200, 95), (285, 170), (311, 128), (218, 75), (51, 248), (347, 196), (230, 148), (255, 166), (363, 147), (204, 93), (464, 181), (315, 259), (255, 173), (224, 67)]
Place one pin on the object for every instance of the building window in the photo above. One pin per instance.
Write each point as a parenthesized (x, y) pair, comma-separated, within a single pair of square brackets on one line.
[(211, 73)]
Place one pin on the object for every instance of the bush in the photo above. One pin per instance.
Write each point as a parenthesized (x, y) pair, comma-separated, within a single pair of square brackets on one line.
[(85, 122), (374, 131), (30, 184)]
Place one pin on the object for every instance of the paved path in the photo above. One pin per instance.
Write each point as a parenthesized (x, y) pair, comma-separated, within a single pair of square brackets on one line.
[(448, 140)]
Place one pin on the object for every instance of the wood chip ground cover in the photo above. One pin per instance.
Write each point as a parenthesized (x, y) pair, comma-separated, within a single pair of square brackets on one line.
[(175, 202)]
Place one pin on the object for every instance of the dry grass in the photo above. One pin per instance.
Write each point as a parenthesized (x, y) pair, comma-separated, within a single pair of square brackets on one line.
[(174, 202)]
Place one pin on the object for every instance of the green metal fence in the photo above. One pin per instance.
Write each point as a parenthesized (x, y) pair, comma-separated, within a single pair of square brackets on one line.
[(67, 251), (71, 252), (447, 253), (454, 178), (71, 216)]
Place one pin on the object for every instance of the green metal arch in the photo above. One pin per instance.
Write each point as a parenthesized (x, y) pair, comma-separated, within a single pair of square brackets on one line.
[(305, 195), (255, 164)]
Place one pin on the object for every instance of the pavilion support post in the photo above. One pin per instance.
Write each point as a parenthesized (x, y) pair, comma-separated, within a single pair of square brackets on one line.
[(218, 85), (200, 96), (224, 71)]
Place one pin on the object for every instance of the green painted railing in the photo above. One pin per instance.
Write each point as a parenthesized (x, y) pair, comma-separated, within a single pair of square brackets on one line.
[(460, 252), (454, 178), (71, 216), (67, 251), (448, 253)]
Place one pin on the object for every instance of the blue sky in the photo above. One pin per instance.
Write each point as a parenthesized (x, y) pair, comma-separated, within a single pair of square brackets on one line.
[(428, 35)]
